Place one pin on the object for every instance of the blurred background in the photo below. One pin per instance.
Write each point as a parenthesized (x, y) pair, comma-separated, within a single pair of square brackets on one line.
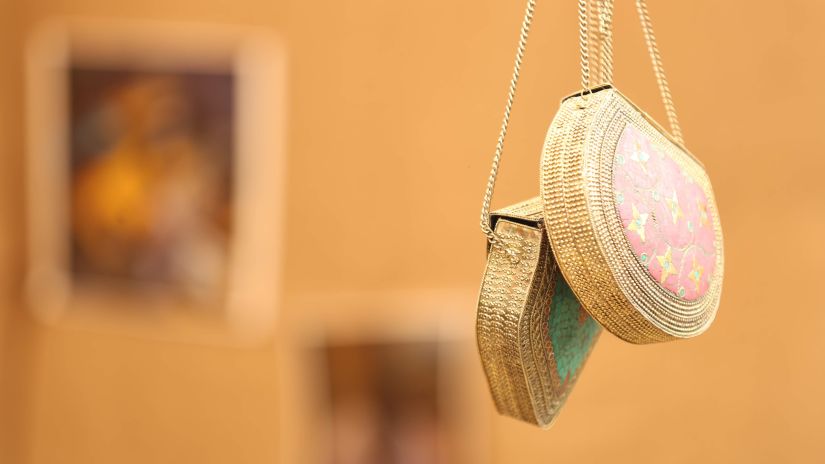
[(247, 231)]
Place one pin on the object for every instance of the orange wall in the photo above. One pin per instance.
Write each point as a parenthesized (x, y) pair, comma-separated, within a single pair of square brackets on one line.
[(10, 210), (394, 109)]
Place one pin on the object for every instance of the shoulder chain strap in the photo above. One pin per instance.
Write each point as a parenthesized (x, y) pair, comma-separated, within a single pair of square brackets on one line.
[(595, 27), (659, 70), (598, 25), (492, 237), (600, 32)]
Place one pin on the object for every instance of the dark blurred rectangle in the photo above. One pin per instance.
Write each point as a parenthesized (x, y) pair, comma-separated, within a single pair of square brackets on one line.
[(383, 404), (151, 178)]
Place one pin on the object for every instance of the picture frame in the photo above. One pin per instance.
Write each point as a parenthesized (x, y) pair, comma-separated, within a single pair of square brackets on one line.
[(253, 62), (425, 318)]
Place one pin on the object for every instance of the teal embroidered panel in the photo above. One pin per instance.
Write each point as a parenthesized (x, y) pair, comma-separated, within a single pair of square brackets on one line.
[(572, 331)]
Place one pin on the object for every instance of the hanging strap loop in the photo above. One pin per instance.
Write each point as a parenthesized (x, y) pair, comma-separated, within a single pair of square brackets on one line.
[(492, 237), (595, 29), (659, 70), (596, 21), (600, 29)]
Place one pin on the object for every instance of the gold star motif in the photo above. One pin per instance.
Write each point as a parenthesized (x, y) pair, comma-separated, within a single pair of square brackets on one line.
[(675, 209), (637, 224), (696, 273), (666, 261), (703, 212), (640, 156)]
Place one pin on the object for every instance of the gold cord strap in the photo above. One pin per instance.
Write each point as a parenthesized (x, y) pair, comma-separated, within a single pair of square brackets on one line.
[(659, 70), (600, 28), (595, 28), (493, 238), (596, 21), (595, 39)]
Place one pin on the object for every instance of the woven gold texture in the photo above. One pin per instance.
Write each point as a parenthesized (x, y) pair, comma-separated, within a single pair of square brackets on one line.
[(585, 231), (513, 315)]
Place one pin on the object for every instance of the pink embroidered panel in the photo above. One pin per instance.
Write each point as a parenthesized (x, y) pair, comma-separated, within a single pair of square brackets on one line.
[(665, 216)]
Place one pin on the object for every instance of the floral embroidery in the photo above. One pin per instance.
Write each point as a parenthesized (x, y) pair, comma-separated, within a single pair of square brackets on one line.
[(640, 156), (637, 224), (666, 216), (666, 261), (703, 212), (696, 273), (673, 205)]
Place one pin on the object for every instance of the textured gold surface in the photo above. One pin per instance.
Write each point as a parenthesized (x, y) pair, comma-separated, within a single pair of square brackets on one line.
[(513, 314), (585, 231)]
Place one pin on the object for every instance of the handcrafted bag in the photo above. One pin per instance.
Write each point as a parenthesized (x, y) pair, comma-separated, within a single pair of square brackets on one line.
[(533, 335), (632, 226), (629, 212)]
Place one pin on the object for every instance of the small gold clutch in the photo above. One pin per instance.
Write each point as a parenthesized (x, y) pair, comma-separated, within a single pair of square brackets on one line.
[(533, 335)]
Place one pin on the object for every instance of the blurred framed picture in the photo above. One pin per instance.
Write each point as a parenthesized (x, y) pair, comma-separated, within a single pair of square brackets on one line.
[(150, 180), (383, 402), (385, 377), (156, 171)]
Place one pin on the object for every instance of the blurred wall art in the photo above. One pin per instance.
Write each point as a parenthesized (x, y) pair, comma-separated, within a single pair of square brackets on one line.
[(383, 400), (142, 200), (151, 179), (381, 377)]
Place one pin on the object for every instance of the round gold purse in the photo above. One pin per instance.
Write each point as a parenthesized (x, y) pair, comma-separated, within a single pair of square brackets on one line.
[(631, 219), (630, 213)]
